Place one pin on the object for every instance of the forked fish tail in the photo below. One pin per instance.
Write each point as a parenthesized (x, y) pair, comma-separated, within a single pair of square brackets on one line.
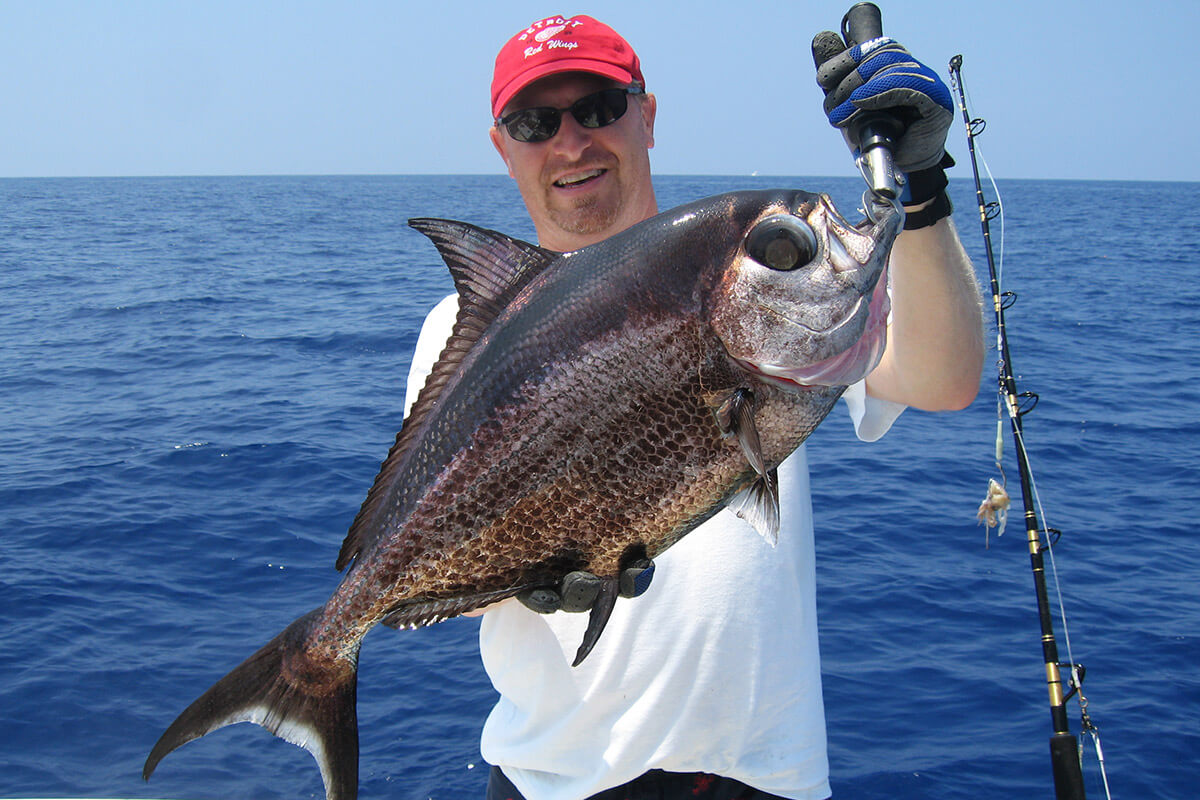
[(300, 699)]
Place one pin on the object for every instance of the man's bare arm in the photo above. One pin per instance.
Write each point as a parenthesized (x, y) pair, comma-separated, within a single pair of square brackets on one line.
[(935, 346)]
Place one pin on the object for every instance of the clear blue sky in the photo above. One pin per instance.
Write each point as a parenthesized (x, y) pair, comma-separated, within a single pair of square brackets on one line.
[(1070, 89)]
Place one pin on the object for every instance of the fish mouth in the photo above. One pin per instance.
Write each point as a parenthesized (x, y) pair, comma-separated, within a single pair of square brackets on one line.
[(882, 224), (849, 366)]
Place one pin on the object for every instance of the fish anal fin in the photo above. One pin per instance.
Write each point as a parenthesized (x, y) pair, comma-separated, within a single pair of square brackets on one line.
[(598, 618), (280, 688), (419, 613)]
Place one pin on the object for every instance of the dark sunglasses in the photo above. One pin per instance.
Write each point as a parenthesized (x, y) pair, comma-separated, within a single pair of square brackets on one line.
[(592, 111)]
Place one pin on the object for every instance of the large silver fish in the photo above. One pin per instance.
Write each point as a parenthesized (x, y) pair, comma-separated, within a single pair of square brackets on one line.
[(590, 409)]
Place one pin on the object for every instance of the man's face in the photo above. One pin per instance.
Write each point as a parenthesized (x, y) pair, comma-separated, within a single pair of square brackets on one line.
[(583, 184)]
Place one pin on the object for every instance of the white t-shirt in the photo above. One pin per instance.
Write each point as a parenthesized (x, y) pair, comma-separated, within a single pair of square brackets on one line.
[(714, 669)]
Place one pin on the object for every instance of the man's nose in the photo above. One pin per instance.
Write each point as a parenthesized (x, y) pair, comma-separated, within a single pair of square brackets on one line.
[(572, 138)]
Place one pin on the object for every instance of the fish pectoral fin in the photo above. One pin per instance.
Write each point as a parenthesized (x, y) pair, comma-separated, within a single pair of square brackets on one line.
[(758, 504), (598, 618), (419, 613), (736, 418)]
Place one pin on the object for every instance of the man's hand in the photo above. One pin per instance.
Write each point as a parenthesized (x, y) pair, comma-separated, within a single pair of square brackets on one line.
[(880, 75), (578, 590)]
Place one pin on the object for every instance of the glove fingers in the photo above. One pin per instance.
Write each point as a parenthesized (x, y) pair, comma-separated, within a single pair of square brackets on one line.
[(899, 97), (825, 45), (893, 80), (879, 53), (844, 95), (635, 579), (541, 599), (908, 83), (853, 68), (579, 591), (835, 71)]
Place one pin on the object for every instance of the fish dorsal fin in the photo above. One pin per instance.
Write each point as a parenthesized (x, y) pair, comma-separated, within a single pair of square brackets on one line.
[(489, 270), (758, 503), (488, 267)]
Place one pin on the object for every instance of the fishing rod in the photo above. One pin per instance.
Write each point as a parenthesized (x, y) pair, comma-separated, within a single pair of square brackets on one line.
[(876, 134), (1064, 747)]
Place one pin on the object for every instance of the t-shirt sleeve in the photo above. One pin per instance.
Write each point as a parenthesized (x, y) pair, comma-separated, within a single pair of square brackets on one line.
[(871, 416)]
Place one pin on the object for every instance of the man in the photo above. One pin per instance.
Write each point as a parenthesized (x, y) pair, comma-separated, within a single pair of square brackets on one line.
[(708, 685)]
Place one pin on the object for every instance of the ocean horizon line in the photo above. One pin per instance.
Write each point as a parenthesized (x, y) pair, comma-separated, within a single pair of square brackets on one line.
[(966, 178)]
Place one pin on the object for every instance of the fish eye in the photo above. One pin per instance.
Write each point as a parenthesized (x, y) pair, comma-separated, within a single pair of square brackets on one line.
[(782, 242)]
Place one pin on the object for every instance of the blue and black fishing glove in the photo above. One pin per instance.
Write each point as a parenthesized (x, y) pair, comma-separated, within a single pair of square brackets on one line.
[(881, 76), (578, 590)]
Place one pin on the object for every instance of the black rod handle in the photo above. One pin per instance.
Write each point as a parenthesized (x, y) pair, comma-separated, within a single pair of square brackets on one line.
[(876, 133), (862, 23), (1064, 762)]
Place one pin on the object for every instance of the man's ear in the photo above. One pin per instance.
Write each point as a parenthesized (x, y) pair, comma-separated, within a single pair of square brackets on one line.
[(498, 143), (649, 109)]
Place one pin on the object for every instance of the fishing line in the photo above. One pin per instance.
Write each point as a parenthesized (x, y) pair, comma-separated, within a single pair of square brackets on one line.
[(999, 201), (979, 126), (1065, 750), (1087, 727)]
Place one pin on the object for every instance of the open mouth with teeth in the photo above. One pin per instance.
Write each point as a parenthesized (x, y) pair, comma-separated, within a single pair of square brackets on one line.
[(578, 178)]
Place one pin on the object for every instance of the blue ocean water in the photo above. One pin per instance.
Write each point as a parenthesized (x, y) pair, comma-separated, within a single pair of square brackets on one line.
[(200, 376)]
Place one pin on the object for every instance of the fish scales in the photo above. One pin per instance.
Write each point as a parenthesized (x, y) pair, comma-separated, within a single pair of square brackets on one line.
[(504, 511), (590, 408), (531, 421)]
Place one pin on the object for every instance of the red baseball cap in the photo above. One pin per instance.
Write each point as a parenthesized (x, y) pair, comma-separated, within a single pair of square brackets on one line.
[(562, 44)]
